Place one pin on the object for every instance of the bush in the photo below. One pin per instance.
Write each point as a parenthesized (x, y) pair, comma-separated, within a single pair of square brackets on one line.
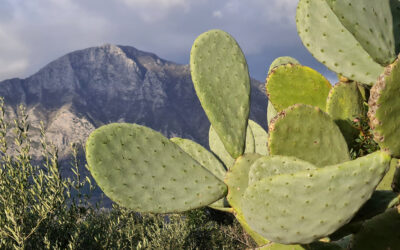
[(41, 209)]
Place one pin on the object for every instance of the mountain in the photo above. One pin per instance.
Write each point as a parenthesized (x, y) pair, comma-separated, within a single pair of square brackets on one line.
[(88, 88)]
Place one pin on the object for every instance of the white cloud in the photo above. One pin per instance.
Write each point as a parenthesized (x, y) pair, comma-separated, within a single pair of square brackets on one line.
[(154, 10), (217, 14), (33, 33), (14, 54)]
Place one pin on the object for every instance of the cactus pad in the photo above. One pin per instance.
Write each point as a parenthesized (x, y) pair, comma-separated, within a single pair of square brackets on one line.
[(222, 83), (307, 133), (281, 61), (380, 232), (271, 112), (290, 84), (208, 161), (276, 164), (332, 44), (370, 22), (237, 180), (345, 103), (140, 169), (218, 147), (260, 138), (202, 156), (309, 205), (387, 181), (384, 109)]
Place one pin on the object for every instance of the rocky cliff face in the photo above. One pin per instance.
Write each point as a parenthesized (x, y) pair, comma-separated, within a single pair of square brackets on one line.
[(85, 89)]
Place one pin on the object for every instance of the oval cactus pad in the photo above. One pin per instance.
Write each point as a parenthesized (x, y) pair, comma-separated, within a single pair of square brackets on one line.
[(309, 134), (281, 61), (290, 84), (345, 103), (371, 23), (218, 147), (202, 156), (308, 205), (222, 83), (237, 180), (276, 164), (260, 138), (332, 44), (140, 169), (384, 109), (207, 160)]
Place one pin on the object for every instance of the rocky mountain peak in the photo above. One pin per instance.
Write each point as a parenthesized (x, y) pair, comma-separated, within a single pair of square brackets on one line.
[(85, 89)]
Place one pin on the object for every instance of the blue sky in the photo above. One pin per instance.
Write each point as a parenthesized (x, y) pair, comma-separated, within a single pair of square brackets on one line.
[(35, 32)]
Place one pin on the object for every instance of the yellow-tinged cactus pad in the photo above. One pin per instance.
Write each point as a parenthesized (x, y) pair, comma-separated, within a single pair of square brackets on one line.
[(140, 169), (237, 180), (260, 138), (384, 109), (207, 160), (332, 44), (222, 83), (380, 232), (305, 206), (290, 84), (309, 134), (345, 103)]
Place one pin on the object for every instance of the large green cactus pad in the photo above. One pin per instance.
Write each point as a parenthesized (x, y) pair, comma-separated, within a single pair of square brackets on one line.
[(276, 164), (332, 44), (207, 160), (237, 180), (381, 232), (140, 169), (371, 23), (260, 138), (384, 109), (345, 103), (305, 206), (281, 61), (222, 83), (307, 133), (290, 84), (202, 156), (218, 147)]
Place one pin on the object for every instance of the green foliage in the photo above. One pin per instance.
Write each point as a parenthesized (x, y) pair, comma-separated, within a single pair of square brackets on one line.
[(41, 210)]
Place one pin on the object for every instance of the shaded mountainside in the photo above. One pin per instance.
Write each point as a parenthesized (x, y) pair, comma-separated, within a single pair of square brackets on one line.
[(88, 88)]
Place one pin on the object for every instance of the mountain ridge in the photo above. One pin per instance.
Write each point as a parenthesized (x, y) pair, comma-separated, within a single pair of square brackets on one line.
[(87, 88)]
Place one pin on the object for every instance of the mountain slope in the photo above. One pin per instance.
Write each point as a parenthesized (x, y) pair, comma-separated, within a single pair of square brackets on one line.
[(85, 89)]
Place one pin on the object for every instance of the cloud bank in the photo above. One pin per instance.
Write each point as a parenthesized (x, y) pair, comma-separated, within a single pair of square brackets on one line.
[(35, 32)]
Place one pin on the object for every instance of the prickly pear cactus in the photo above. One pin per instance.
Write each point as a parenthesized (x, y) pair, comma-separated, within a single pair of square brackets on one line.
[(297, 186)]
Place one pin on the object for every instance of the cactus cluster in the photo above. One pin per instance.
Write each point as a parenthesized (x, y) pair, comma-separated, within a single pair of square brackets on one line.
[(295, 187)]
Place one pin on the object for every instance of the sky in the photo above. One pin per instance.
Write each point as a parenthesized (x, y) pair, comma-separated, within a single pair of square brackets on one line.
[(35, 32)]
